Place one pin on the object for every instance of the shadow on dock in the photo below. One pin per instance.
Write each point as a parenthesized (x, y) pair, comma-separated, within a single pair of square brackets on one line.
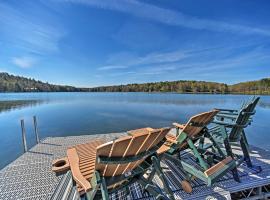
[(42, 153)]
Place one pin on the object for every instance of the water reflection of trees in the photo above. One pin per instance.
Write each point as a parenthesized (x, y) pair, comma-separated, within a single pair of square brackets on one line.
[(264, 104), (167, 100), (17, 104)]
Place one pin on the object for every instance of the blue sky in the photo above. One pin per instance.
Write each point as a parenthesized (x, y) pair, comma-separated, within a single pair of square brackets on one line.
[(92, 42)]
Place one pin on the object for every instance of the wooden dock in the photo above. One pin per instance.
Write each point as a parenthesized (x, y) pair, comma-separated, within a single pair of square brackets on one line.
[(30, 176)]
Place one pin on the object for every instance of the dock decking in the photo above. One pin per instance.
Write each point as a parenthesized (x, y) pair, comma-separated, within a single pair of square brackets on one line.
[(30, 176)]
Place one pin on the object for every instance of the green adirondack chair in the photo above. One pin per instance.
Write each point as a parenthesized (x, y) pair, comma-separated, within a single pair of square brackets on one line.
[(100, 168), (232, 113), (186, 137), (229, 130)]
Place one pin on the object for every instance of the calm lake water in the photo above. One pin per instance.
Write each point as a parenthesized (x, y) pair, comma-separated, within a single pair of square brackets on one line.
[(64, 114)]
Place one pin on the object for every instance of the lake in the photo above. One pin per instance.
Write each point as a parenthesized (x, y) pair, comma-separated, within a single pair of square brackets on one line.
[(65, 114)]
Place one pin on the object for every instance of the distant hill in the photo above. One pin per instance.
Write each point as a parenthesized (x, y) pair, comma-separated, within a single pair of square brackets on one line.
[(168, 86), (11, 83), (252, 87)]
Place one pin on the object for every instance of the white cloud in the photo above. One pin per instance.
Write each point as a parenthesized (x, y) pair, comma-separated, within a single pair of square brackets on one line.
[(200, 63), (28, 32), (128, 59), (160, 58), (253, 57), (23, 62), (110, 67), (170, 17)]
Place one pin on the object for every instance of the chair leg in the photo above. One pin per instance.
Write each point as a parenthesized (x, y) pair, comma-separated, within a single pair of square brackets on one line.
[(245, 152), (91, 194), (104, 190), (215, 144), (156, 163), (98, 182), (127, 190), (230, 153), (247, 159), (202, 163), (235, 175), (152, 174), (201, 143), (178, 163), (177, 131), (150, 177), (244, 137), (152, 189), (228, 147)]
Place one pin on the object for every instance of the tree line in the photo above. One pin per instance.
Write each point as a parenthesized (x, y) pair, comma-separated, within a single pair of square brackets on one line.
[(172, 86), (11, 83), (252, 87)]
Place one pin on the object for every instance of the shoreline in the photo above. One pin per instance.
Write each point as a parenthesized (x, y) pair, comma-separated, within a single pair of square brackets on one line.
[(160, 92)]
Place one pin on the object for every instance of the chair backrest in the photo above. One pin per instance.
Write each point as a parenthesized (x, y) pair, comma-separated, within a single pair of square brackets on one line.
[(196, 123), (243, 119), (254, 102), (128, 147), (249, 101)]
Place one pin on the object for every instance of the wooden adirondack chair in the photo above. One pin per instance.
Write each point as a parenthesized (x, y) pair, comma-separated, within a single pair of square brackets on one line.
[(99, 168), (186, 136), (230, 131)]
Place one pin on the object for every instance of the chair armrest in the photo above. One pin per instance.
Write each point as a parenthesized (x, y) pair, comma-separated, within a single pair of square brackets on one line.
[(228, 113), (171, 140), (223, 123), (226, 110), (73, 159), (139, 131), (229, 125), (177, 125), (219, 167), (251, 113), (228, 116)]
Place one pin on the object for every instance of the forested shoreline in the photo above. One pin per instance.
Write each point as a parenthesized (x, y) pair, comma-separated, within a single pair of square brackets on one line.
[(252, 87), (11, 83)]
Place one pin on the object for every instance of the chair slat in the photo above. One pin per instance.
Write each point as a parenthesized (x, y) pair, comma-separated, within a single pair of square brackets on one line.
[(118, 150), (155, 136), (163, 132), (103, 150), (203, 119), (137, 142), (242, 119), (120, 146)]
